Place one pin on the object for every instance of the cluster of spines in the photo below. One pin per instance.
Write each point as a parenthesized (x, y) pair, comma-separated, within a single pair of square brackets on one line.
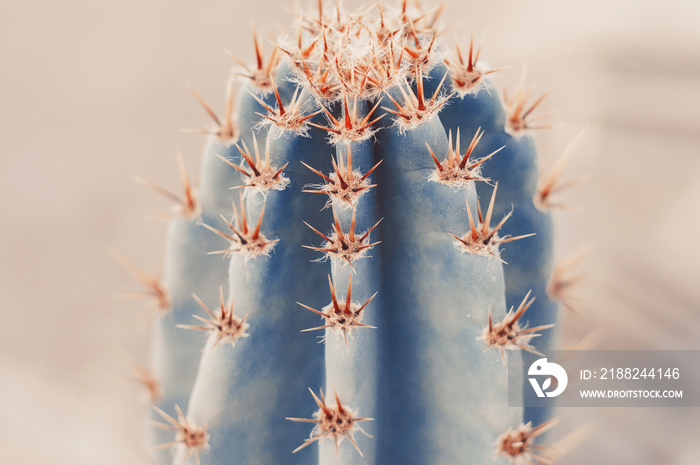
[(345, 246), (224, 326), (153, 287), (332, 422), (345, 185), (467, 76), (518, 444), (226, 129), (191, 436), (341, 315), (456, 172), (508, 334), (260, 175), (250, 242), (481, 238)]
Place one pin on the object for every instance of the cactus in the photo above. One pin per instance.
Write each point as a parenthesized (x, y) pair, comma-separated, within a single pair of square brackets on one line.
[(367, 245)]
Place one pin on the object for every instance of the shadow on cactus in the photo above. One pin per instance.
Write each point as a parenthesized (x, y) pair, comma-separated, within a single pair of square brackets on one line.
[(351, 173)]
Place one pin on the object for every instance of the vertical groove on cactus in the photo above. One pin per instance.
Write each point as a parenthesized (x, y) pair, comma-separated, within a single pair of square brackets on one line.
[(388, 288)]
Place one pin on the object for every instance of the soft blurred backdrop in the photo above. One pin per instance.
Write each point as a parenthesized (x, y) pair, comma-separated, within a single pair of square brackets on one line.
[(94, 92)]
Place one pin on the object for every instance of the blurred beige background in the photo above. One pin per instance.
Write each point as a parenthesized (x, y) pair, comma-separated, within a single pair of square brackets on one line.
[(93, 93)]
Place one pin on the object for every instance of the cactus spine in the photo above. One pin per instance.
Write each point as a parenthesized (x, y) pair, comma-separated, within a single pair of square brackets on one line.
[(363, 198)]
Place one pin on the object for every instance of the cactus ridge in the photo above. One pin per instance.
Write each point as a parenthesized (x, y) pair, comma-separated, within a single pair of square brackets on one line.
[(373, 113), (345, 247)]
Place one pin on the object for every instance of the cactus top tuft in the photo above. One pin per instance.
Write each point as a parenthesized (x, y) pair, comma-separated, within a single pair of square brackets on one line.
[(362, 55)]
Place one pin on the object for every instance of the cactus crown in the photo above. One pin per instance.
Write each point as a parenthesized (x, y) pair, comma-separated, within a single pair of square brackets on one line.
[(356, 56)]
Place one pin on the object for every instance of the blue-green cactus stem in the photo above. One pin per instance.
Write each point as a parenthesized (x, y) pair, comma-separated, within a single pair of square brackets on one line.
[(190, 269), (530, 261), (351, 363), (404, 329), (515, 168), (434, 303), (244, 393)]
